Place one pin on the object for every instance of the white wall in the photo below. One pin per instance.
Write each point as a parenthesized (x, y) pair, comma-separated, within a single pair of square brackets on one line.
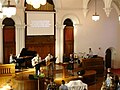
[(103, 33)]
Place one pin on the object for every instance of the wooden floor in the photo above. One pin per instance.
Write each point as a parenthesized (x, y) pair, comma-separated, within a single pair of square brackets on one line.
[(20, 76)]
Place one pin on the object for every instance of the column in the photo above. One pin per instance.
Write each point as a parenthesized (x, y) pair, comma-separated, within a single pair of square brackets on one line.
[(59, 43), (1, 44), (20, 38)]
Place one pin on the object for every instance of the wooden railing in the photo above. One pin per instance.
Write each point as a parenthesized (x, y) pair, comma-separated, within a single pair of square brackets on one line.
[(7, 69)]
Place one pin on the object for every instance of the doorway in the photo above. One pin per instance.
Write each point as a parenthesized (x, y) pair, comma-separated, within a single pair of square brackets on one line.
[(108, 58), (68, 37), (8, 39)]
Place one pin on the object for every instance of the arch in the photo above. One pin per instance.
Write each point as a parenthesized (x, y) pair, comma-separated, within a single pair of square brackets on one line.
[(112, 58), (112, 4), (8, 40), (8, 22), (19, 32), (68, 36), (60, 41), (89, 1), (73, 18), (116, 8), (16, 18), (68, 22)]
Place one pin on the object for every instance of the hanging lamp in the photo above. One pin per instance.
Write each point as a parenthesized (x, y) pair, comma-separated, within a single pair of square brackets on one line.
[(9, 10), (95, 17), (36, 3)]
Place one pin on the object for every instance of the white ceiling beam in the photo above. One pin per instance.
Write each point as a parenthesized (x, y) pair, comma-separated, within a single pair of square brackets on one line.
[(58, 4), (107, 7), (85, 7)]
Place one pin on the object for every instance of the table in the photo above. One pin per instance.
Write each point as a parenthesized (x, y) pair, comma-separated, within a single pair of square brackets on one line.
[(76, 85)]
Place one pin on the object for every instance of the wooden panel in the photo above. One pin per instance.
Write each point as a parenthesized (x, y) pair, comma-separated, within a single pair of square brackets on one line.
[(30, 84), (68, 48), (10, 37), (68, 40), (94, 64), (8, 42), (42, 44), (9, 48), (69, 33)]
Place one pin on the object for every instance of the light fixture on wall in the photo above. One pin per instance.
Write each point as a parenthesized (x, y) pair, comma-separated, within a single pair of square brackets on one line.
[(95, 17), (9, 10), (119, 17), (36, 3)]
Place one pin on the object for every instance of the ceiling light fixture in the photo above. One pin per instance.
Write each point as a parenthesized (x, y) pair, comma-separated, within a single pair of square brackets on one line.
[(1, 14), (9, 10), (95, 17), (36, 3)]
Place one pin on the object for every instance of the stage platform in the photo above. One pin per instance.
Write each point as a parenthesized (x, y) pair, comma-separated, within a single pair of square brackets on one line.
[(21, 80), (60, 72)]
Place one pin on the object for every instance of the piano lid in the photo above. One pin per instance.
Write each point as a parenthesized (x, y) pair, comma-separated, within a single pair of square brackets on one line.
[(26, 52)]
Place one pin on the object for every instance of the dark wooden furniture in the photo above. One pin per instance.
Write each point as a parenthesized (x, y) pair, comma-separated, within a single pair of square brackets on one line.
[(96, 64), (89, 78), (25, 57), (28, 84)]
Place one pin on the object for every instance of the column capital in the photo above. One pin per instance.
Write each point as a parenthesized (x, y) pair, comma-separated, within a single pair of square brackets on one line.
[(20, 26), (59, 26)]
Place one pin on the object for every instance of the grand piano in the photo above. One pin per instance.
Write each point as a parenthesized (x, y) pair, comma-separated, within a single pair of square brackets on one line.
[(24, 60)]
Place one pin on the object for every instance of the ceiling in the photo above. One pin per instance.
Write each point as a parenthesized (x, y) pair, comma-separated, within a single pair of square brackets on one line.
[(117, 2), (79, 3), (84, 5), (68, 4)]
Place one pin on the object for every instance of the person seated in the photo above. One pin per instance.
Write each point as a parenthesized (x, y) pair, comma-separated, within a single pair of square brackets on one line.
[(12, 60), (76, 58), (52, 85), (42, 74), (90, 55), (116, 81), (108, 71), (103, 86), (63, 86), (108, 80)]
